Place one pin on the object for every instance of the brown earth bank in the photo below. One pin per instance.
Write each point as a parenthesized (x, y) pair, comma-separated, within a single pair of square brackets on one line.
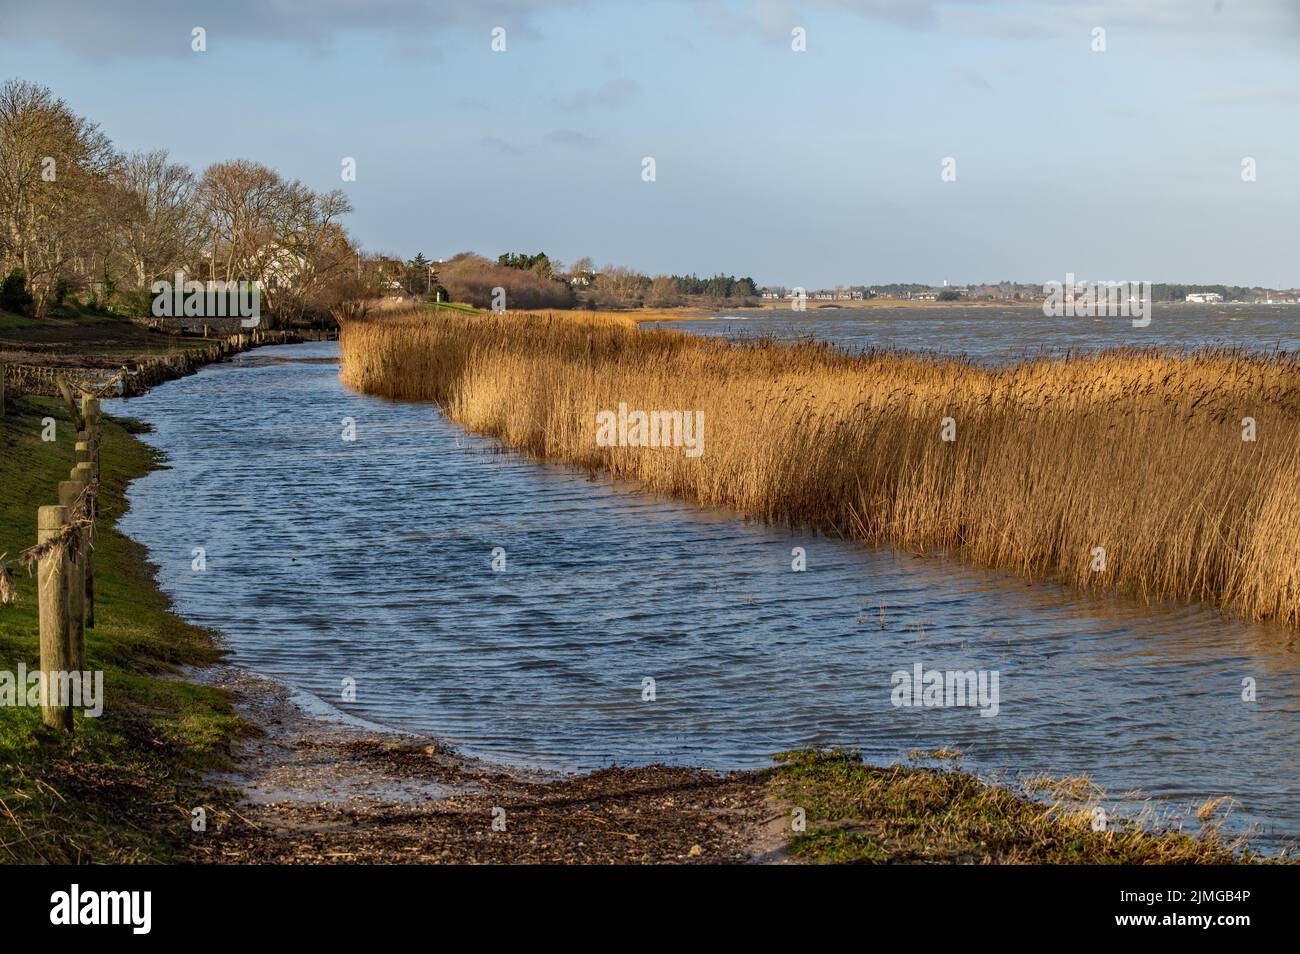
[(311, 791), (89, 339)]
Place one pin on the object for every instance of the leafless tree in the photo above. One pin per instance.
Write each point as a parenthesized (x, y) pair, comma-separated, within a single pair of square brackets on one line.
[(54, 188), (158, 223)]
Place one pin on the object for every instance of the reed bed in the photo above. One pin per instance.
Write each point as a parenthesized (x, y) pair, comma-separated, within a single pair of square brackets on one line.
[(1137, 452)]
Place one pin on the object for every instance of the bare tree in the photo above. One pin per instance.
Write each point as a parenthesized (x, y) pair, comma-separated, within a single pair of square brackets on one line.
[(158, 223), (238, 199), (306, 245), (54, 169), (619, 287), (664, 292)]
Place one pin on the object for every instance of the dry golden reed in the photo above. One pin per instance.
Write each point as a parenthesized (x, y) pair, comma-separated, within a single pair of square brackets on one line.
[(1137, 451)]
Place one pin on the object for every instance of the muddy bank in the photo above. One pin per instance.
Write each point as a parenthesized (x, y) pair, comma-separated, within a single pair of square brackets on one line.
[(306, 790), (310, 791), (94, 370)]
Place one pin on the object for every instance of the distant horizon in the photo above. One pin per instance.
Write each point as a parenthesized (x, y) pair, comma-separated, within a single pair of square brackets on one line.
[(706, 273)]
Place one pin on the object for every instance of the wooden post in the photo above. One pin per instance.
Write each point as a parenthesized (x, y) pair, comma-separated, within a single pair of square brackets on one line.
[(82, 451), (52, 590), (90, 411), (69, 491), (82, 473)]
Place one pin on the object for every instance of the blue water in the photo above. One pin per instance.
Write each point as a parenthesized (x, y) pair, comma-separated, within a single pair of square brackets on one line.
[(371, 560), (999, 333)]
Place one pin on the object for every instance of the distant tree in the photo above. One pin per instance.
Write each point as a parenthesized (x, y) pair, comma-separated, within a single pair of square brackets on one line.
[(619, 287), (664, 292), (417, 277), (471, 278), (538, 263), (158, 223), (54, 189)]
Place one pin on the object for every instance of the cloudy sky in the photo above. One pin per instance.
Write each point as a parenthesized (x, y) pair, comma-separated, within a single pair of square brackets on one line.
[(807, 168)]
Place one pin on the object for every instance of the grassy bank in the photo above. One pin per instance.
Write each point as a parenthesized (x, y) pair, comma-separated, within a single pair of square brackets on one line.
[(857, 813), (122, 788), (1123, 471)]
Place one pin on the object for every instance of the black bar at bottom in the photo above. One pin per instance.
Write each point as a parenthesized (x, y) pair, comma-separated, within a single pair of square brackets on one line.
[(331, 904)]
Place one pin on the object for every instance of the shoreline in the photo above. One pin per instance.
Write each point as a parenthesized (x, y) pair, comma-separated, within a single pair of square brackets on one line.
[(315, 790)]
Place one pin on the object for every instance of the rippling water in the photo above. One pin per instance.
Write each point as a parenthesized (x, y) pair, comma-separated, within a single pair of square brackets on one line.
[(370, 560), (998, 333)]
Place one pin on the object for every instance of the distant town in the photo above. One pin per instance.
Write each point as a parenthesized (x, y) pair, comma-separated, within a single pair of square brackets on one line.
[(538, 281), (1026, 292)]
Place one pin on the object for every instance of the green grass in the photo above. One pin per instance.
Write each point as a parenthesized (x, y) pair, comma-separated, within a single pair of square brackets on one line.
[(455, 306), (122, 788), (81, 314), (861, 814)]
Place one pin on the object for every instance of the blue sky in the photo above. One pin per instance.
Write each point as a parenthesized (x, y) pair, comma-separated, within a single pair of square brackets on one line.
[(813, 168)]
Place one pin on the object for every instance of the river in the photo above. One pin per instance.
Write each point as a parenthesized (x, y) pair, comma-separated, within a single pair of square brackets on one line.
[(361, 573)]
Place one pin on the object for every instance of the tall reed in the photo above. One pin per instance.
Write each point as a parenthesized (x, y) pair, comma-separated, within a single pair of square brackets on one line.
[(1136, 452)]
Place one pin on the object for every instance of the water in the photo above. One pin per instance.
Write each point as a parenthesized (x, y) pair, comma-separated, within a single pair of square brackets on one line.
[(999, 333), (329, 560)]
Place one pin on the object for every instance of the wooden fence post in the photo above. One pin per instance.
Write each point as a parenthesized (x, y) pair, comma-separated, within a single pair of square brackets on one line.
[(90, 411), (52, 591), (82, 473), (69, 491)]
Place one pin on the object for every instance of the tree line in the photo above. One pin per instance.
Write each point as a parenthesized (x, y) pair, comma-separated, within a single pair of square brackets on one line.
[(80, 219), (84, 223), (535, 280)]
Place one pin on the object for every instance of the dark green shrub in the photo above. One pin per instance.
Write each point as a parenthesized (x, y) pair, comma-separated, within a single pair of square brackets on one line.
[(133, 302), (14, 295)]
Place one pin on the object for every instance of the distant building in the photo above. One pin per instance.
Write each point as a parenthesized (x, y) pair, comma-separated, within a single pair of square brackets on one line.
[(1204, 298)]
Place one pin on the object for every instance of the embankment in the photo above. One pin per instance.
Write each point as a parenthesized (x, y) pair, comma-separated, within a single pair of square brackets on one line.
[(1159, 475), (139, 374), (122, 788)]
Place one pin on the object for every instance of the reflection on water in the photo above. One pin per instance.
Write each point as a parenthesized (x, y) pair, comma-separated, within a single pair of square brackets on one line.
[(371, 560), (999, 333)]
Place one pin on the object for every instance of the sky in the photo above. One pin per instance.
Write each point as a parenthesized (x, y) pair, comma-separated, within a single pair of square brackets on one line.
[(813, 168)]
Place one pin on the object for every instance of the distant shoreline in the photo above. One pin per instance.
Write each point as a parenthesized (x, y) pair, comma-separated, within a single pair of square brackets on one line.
[(885, 304)]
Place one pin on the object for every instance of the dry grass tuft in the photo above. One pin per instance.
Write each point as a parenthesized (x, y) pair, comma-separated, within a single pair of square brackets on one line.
[(1138, 452), (857, 813)]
